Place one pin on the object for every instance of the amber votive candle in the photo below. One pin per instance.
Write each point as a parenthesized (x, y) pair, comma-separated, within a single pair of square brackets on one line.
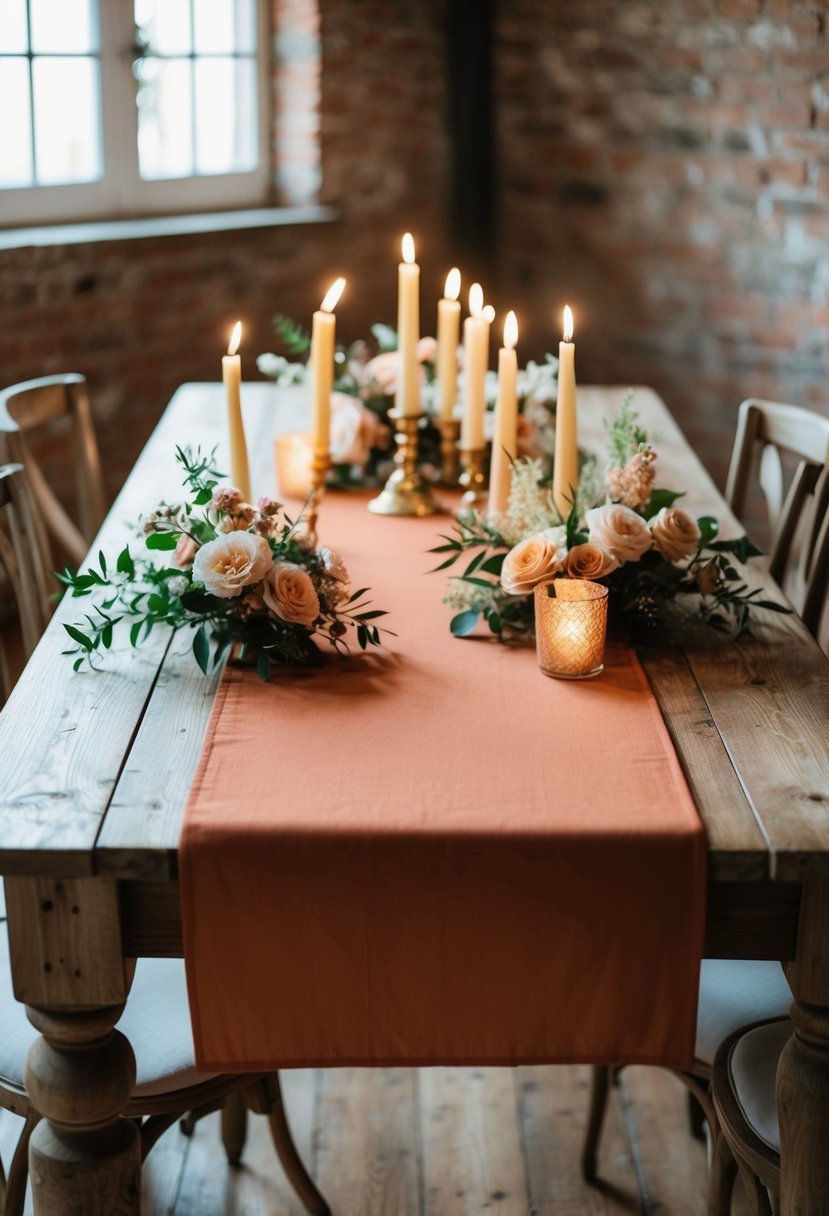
[(570, 627), (293, 452)]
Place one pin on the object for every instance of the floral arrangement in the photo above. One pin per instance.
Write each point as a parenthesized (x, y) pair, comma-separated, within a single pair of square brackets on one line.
[(621, 530), (366, 376), (239, 574)]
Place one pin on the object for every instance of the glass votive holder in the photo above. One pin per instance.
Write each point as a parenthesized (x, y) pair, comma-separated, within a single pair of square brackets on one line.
[(293, 453), (570, 627)]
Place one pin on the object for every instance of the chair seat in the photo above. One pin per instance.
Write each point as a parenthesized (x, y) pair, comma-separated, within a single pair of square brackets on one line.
[(734, 993), (156, 1021), (752, 1071)]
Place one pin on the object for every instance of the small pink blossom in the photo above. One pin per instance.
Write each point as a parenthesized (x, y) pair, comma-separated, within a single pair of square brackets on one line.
[(226, 498)]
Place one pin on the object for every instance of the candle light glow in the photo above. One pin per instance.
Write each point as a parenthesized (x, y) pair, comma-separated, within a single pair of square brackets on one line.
[(567, 329), (453, 284), (235, 338), (332, 297)]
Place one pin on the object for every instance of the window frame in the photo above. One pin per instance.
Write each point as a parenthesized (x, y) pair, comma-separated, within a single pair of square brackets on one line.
[(121, 193)]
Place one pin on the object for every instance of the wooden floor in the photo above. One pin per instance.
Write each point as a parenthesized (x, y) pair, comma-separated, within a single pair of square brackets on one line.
[(443, 1142)]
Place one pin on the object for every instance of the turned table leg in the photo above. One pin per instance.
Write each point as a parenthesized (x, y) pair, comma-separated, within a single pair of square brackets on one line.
[(803, 1073), (69, 970)]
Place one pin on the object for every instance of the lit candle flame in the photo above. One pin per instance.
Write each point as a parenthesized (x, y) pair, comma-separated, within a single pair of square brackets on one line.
[(235, 339), (332, 296), (510, 331), (488, 313), (408, 248), (453, 284), (568, 323), (476, 300)]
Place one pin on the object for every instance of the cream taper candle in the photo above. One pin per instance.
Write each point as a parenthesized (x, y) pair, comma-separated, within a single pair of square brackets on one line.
[(232, 377), (475, 361), (449, 323), (566, 467), (407, 396), (505, 438), (323, 332)]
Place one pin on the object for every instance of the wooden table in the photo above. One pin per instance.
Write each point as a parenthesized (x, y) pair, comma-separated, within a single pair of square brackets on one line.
[(96, 770)]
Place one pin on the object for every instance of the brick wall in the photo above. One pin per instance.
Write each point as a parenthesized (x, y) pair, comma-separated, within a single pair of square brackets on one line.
[(665, 168), (663, 165)]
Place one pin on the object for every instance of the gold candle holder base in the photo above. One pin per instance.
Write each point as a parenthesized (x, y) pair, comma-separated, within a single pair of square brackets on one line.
[(473, 479), (405, 492), (319, 471), (450, 429)]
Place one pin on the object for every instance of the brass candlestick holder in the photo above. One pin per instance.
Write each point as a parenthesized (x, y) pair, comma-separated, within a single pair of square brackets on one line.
[(405, 492), (319, 471), (473, 479), (450, 429)]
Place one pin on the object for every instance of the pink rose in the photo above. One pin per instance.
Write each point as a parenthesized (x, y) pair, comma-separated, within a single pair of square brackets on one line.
[(383, 370), (531, 561), (226, 498), (675, 533), (290, 593), (184, 553), (232, 562), (590, 561), (619, 530), (426, 350)]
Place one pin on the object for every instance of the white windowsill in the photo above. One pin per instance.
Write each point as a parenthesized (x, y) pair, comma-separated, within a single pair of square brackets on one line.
[(164, 225)]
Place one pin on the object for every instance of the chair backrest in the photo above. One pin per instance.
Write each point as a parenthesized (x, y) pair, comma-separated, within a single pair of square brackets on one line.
[(20, 561), (799, 514), (26, 407)]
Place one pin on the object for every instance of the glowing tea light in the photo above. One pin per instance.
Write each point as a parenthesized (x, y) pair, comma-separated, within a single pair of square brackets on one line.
[(293, 453), (570, 627)]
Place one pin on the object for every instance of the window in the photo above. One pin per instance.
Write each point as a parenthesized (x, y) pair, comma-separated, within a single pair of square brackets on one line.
[(126, 107)]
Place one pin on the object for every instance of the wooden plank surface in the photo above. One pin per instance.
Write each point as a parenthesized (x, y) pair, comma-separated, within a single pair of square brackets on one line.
[(78, 758)]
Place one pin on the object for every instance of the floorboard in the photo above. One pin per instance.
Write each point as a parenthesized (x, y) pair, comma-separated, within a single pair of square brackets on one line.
[(443, 1142)]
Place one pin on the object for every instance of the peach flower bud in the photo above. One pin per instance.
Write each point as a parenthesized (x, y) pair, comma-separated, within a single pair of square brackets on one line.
[(289, 593), (531, 561), (675, 533), (228, 564), (184, 553), (590, 561), (708, 579), (619, 530), (226, 498), (334, 564)]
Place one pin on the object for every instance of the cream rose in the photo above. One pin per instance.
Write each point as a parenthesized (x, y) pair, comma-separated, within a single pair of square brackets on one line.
[(290, 593), (590, 561), (232, 562), (530, 562), (619, 530), (334, 564), (675, 533)]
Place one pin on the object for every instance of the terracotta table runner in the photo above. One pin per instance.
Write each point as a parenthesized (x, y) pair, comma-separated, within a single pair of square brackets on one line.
[(438, 855)]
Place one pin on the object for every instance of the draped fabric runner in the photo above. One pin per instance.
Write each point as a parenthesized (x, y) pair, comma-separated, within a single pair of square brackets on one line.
[(438, 855)]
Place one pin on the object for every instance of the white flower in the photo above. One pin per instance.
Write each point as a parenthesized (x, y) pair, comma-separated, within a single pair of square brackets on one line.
[(334, 564), (177, 585), (230, 563), (290, 593), (531, 561), (675, 533), (619, 530)]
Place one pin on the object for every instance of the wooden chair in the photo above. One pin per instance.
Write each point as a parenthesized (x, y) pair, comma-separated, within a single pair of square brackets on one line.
[(731, 993), (743, 1088), (21, 563), (24, 409), (157, 1022), (799, 515)]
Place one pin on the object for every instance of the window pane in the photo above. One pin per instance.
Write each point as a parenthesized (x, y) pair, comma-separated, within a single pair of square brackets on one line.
[(165, 119), (226, 129), (15, 124), (62, 26), (13, 33), (67, 133), (223, 26), (164, 25)]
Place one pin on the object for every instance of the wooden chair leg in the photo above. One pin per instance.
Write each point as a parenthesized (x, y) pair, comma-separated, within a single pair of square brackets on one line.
[(721, 1178), (757, 1192), (266, 1098), (599, 1086), (19, 1170), (234, 1125)]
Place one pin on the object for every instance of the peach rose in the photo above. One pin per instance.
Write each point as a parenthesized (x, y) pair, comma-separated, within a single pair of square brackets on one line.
[(426, 350), (675, 533), (531, 561), (185, 552), (619, 530), (352, 430), (232, 562), (383, 369), (290, 594), (590, 561), (334, 564)]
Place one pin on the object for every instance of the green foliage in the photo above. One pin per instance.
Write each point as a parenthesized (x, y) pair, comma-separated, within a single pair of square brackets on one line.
[(625, 436), (295, 340)]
